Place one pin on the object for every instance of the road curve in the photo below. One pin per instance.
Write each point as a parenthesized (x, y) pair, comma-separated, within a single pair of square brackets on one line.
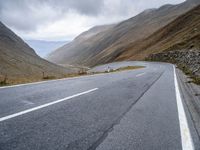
[(135, 109)]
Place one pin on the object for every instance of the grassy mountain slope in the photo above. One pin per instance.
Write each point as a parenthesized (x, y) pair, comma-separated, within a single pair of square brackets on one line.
[(178, 42), (19, 62), (182, 33)]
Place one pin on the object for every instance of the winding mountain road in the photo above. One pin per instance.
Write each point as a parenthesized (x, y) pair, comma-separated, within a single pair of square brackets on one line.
[(134, 109)]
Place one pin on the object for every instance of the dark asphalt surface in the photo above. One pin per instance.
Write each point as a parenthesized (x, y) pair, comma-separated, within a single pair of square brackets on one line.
[(133, 109)]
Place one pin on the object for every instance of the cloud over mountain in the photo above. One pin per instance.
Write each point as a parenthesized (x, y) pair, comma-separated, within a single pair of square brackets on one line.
[(64, 19)]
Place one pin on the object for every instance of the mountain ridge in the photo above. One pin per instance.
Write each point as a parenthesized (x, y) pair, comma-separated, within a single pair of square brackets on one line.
[(182, 33), (20, 63), (107, 45)]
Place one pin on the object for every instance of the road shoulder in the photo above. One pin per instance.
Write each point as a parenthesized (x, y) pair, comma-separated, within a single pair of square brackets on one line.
[(191, 100)]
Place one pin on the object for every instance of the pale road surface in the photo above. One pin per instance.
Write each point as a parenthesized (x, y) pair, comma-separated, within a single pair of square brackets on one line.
[(136, 109)]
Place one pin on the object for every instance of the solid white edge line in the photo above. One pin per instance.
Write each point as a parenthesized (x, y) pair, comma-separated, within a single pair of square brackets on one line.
[(187, 143), (40, 82), (45, 105)]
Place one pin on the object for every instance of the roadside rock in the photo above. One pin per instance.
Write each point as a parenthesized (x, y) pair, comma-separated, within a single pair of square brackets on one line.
[(189, 59)]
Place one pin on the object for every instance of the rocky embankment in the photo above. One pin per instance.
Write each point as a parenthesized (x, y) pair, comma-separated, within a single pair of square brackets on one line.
[(187, 60)]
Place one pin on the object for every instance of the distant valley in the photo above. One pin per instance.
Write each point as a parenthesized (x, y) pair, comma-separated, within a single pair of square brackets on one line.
[(43, 48)]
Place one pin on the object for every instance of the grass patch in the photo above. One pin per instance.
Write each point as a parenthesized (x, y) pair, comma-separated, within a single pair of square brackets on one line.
[(196, 79), (187, 71), (49, 77), (118, 70), (4, 82), (128, 68), (14, 81)]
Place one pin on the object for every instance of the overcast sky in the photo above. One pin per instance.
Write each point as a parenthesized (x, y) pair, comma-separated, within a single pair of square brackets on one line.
[(65, 19)]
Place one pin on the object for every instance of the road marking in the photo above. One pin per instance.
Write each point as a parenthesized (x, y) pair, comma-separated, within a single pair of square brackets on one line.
[(27, 102), (45, 105), (70, 78), (41, 82), (62, 79), (187, 143), (141, 74)]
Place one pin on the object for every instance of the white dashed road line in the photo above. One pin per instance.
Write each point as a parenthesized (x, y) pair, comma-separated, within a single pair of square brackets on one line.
[(45, 105)]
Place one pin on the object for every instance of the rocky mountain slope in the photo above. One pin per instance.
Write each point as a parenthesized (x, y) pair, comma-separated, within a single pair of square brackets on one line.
[(112, 43), (19, 62)]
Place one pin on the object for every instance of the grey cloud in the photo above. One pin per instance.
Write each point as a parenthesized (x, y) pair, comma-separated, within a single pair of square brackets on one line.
[(27, 15), (86, 7)]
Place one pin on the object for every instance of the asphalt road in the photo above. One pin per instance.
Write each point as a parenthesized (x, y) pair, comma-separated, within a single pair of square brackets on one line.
[(135, 109)]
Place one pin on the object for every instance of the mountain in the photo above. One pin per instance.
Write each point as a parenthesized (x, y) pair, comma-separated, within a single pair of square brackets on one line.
[(108, 45), (75, 52), (43, 48), (178, 42), (181, 34), (19, 62)]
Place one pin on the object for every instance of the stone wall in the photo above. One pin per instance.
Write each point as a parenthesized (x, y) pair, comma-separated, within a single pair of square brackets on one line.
[(189, 59)]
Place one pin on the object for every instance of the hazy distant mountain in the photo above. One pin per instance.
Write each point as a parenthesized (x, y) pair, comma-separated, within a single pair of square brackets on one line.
[(20, 63), (110, 44), (43, 48), (80, 48)]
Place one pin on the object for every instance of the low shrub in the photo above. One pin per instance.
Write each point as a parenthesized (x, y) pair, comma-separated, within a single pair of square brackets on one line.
[(4, 81), (49, 77)]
